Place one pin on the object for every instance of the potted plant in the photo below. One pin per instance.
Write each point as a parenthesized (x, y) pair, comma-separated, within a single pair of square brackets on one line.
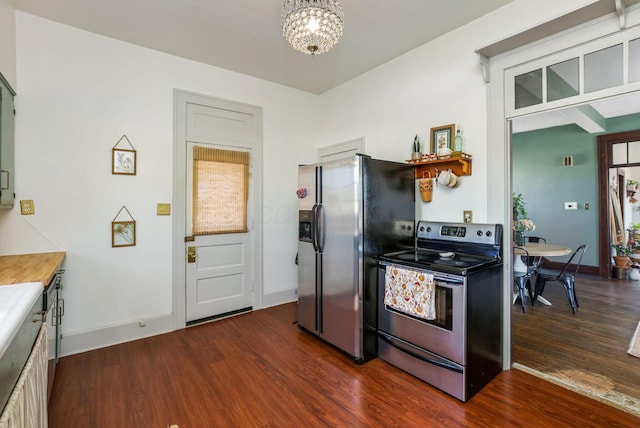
[(518, 207), (521, 223), (621, 259), (416, 154)]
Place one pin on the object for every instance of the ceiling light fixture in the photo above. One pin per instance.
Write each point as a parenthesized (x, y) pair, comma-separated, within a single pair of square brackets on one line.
[(312, 26)]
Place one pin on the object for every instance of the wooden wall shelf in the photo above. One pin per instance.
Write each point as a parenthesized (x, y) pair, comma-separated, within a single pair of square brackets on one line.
[(460, 165)]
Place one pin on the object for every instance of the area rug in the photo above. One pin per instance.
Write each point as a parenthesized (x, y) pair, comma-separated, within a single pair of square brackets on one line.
[(634, 345)]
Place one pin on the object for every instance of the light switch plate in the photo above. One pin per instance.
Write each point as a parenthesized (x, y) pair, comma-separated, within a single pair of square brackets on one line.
[(164, 209), (570, 205), (27, 207)]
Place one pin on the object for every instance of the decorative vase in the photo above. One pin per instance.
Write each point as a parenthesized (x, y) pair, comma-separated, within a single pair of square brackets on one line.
[(457, 142), (416, 155), (520, 238)]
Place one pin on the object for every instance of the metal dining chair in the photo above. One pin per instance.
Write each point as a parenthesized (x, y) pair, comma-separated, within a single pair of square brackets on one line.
[(536, 261), (522, 280), (566, 277)]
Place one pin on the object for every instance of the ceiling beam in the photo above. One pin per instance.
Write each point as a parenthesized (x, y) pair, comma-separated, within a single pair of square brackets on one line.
[(586, 117)]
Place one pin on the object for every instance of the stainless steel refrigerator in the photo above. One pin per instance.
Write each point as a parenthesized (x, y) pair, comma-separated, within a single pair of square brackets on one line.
[(350, 211)]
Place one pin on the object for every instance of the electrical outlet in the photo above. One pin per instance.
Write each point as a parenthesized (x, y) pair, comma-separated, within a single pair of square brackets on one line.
[(467, 216), (403, 228), (27, 207), (587, 207)]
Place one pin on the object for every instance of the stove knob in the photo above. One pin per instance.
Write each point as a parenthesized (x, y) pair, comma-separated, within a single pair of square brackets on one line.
[(429, 229), (479, 233), (489, 233)]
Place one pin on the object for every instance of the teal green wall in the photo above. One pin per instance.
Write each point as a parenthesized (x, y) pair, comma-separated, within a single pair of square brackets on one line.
[(546, 184)]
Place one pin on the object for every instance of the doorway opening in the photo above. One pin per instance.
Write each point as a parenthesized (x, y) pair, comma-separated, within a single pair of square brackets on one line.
[(611, 224)]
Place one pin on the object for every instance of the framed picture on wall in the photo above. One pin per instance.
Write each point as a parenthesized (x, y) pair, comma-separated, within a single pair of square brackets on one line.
[(123, 161), (442, 139), (123, 233)]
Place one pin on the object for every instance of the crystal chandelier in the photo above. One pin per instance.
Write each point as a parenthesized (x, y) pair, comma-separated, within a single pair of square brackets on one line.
[(312, 26)]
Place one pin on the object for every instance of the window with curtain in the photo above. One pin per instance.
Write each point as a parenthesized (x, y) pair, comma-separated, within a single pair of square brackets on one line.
[(220, 191)]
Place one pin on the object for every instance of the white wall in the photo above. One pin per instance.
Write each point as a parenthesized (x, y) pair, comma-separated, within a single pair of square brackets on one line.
[(408, 96), (8, 41), (79, 93), (436, 84)]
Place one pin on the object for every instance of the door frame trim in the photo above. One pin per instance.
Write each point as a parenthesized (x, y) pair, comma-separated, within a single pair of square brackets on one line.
[(181, 98), (499, 175), (605, 144)]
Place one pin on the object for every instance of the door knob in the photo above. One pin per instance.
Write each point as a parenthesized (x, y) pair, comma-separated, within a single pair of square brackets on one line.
[(191, 254)]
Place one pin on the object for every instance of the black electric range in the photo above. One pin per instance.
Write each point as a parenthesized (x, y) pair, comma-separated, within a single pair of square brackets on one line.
[(459, 348)]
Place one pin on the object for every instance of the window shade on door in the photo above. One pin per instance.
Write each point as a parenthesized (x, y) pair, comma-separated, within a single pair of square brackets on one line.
[(220, 191)]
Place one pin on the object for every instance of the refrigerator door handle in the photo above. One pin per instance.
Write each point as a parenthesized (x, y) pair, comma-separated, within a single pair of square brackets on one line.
[(314, 227), (320, 228)]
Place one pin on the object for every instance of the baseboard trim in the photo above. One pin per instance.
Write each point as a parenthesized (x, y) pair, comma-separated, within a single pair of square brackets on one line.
[(275, 299), (584, 269), (88, 340)]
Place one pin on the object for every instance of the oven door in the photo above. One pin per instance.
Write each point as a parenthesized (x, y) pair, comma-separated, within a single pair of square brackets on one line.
[(443, 336)]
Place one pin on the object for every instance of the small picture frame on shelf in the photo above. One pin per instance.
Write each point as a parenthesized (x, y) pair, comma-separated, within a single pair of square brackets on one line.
[(123, 161), (442, 139), (123, 234)]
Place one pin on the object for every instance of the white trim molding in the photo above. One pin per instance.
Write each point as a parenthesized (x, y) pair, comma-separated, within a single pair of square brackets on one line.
[(532, 45), (88, 340), (621, 11)]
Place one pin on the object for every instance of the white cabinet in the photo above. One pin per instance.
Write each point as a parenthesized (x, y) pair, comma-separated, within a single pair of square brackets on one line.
[(7, 118)]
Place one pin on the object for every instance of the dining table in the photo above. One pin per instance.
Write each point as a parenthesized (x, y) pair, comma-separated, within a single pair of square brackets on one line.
[(536, 249)]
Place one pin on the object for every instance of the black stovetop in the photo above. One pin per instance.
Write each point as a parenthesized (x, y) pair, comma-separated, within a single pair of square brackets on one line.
[(459, 263), (456, 248)]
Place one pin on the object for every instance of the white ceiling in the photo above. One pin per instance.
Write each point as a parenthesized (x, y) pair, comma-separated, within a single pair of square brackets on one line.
[(245, 35)]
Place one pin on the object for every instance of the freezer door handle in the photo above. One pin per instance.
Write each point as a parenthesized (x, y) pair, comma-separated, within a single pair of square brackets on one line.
[(319, 230), (314, 227)]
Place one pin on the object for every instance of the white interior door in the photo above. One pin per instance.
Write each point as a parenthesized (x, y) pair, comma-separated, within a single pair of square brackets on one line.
[(218, 268)]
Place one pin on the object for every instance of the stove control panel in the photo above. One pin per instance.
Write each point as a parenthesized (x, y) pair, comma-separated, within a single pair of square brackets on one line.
[(472, 233)]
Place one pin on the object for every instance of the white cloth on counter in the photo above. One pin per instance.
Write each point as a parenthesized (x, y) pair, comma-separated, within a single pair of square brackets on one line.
[(410, 291)]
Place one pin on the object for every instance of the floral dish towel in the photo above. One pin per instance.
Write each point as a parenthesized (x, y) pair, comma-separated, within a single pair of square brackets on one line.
[(411, 292)]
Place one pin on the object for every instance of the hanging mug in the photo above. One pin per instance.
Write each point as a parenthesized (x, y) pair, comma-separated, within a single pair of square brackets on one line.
[(444, 177), (454, 180), (426, 187)]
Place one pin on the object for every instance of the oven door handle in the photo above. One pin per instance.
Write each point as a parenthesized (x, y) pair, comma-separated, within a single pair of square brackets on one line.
[(397, 344), (449, 282)]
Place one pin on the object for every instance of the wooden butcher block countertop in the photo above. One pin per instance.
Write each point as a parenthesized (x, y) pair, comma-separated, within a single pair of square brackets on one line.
[(36, 267)]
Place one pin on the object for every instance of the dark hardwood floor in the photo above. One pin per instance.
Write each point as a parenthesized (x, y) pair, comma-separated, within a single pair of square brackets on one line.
[(260, 370), (586, 350)]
